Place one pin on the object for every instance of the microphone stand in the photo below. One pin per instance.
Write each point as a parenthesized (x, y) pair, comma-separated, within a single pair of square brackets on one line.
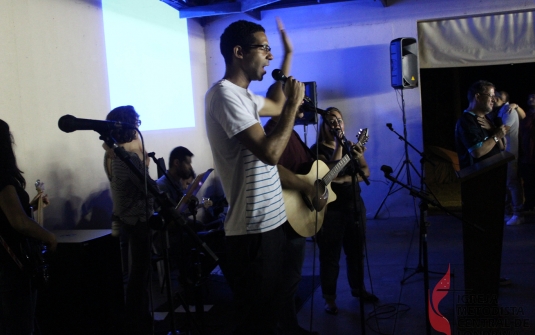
[(162, 170), (423, 209), (167, 209), (424, 204), (337, 133)]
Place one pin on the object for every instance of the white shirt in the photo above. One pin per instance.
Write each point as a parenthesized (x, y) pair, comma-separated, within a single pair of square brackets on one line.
[(252, 188)]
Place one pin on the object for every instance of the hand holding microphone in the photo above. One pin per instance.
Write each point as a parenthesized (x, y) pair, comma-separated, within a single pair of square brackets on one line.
[(279, 76)]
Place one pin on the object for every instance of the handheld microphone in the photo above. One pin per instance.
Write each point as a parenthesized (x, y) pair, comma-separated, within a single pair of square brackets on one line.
[(389, 125), (279, 76), (69, 123)]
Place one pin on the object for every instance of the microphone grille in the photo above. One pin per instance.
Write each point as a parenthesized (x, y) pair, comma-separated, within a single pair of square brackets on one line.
[(278, 75), (65, 123)]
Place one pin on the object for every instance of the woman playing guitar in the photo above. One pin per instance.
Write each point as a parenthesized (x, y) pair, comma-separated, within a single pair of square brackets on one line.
[(339, 229)]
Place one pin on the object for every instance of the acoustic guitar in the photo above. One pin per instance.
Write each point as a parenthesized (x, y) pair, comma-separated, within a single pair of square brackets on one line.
[(299, 211)]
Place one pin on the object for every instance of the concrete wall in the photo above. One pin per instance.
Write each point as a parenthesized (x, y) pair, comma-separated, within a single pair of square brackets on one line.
[(344, 47), (53, 62)]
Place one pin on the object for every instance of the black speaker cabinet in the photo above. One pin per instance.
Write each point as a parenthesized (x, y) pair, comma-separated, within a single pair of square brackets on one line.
[(85, 292), (309, 115), (404, 62)]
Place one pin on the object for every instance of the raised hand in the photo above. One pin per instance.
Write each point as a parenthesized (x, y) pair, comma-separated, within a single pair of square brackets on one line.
[(288, 47)]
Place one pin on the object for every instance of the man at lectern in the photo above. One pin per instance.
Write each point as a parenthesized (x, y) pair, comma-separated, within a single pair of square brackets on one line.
[(476, 137)]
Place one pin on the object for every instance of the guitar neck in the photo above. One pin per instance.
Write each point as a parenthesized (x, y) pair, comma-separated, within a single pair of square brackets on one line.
[(39, 212), (336, 170)]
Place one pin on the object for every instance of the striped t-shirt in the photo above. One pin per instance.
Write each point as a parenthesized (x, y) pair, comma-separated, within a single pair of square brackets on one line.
[(252, 188)]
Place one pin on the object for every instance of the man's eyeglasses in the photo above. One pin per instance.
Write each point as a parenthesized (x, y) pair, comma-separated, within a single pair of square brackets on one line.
[(488, 95), (264, 47)]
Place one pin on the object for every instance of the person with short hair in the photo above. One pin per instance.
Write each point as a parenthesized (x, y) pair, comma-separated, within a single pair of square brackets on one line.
[(245, 156), (510, 115), (476, 137), (132, 208), (179, 172)]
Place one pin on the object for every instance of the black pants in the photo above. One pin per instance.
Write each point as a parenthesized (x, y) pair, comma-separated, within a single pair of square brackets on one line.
[(339, 230), (254, 272), (138, 319)]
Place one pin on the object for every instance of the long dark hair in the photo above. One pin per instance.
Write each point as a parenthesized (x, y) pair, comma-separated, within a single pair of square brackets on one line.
[(8, 162), (328, 111), (125, 114)]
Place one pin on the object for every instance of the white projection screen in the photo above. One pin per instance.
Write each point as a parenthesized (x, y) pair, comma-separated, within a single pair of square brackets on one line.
[(148, 60)]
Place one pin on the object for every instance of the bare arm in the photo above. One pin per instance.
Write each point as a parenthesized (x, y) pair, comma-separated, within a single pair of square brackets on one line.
[(489, 143), (290, 181), (317, 191), (11, 206), (518, 109), (275, 99), (269, 148), (358, 153)]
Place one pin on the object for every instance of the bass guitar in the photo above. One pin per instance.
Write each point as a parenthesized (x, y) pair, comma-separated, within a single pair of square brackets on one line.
[(299, 212), (27, 252), (36, 250)]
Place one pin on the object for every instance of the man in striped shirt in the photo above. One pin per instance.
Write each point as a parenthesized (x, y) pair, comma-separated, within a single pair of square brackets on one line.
[(245, 159)]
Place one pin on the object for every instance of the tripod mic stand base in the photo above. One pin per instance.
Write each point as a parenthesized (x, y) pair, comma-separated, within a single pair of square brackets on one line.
[(420, 269)]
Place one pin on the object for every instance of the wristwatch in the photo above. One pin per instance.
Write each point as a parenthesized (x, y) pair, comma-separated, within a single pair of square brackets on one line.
[(496, 139)]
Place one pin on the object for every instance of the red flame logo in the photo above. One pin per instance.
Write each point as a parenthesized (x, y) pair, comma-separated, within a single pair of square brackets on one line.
[(437, 320)]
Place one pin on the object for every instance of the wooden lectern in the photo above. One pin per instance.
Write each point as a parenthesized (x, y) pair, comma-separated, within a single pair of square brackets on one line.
[(483, 187)]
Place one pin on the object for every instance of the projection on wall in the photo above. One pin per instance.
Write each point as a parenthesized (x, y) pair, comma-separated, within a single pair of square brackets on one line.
[(148, 60)]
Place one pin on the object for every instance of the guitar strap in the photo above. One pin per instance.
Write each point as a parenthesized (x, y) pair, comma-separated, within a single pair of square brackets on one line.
[(11, 253)]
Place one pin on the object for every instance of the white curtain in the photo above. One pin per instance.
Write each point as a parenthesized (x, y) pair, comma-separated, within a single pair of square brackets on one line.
[(474, 41)]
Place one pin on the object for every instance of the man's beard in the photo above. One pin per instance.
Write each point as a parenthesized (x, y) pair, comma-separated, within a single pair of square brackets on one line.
[(187, 174)]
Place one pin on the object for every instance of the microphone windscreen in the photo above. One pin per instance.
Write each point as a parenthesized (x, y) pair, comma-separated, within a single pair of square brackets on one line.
[(65, 123), (278, 75)]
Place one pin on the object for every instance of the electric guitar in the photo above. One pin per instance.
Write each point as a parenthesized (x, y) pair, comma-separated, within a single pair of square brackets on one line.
[(299, 211), (26, 252), (36, 250)]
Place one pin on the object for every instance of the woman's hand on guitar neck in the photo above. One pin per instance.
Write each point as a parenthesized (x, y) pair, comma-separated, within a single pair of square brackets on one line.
[(35, 201), (358, 149)]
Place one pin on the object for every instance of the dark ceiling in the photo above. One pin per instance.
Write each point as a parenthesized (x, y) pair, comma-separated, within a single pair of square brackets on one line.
[(254, 8)]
